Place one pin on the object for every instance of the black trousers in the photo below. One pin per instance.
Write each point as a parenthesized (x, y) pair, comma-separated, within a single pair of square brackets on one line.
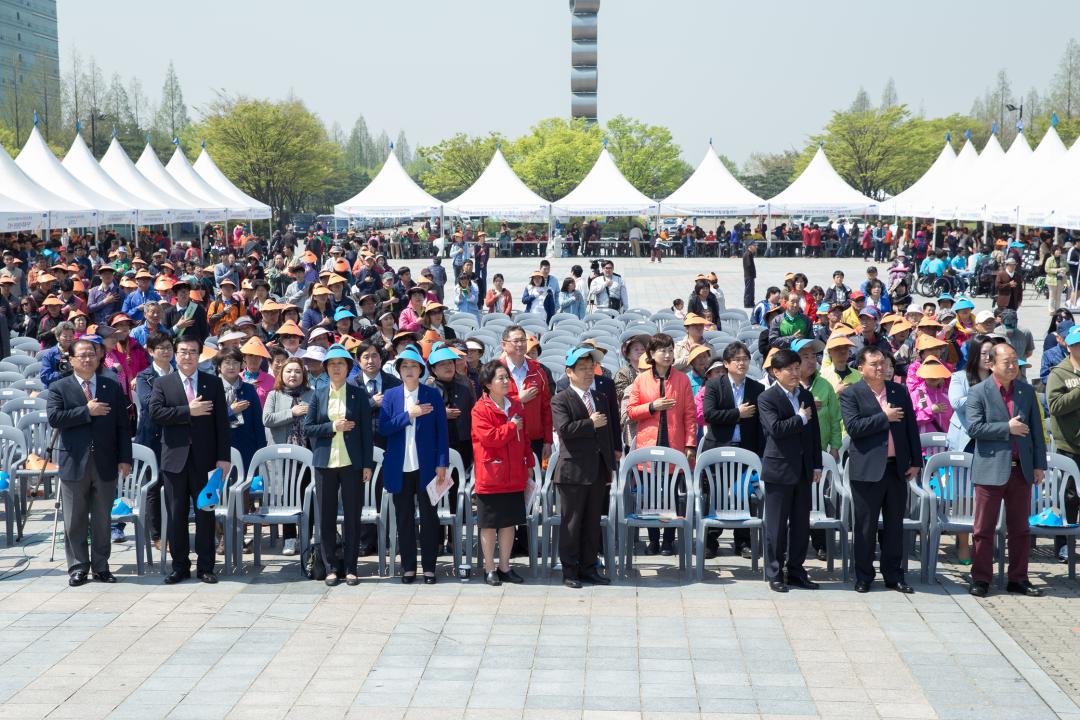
[(349, 482), (787, 529), (887, 498), (181, 494), (748, 293), (579, 534), (414, 495), (1072, 505), (87, 506), (680, 507)]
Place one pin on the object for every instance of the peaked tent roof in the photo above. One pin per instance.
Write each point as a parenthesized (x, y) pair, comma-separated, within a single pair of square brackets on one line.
[(149, 165), (60, 212), (500, 193), (918, 200), (712, 190), (604, 191), (391, 194), (182, 172), (119, 167), (16, 217), (208, 171), (948, 190), (1024, 186), (1064, 200), (81, 163), (820, 189), (985, 176), (38, 161)]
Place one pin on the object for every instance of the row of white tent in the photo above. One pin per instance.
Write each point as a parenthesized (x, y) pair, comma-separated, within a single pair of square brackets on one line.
[(39, 191), (1040, 187)]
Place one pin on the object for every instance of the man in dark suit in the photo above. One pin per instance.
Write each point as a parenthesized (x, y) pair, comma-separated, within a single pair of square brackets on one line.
[(604, 387), (190, 408), (790, 463), (147, 432), (885, 453), (376, 382), (730, 411), (187, 318), (585, 424), (91, 414)]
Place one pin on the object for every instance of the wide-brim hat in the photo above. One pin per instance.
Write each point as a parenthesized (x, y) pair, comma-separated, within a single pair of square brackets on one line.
[(337, 351), (575, 354), (816, 345), (694, 319), (933, 369), (411, 353), (928, 342), (254, 346)]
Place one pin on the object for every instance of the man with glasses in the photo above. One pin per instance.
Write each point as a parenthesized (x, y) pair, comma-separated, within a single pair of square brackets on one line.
[(90, 411)]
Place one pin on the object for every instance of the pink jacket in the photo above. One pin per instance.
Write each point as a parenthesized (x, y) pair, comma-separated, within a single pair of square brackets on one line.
[(924, 399)]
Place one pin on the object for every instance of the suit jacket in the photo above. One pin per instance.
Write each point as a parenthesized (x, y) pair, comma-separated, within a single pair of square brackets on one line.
[(608, 404), (106, 438), (581, 445), (792, 449), (200, 329), (722, 415), (320, 429), (1007, 296), (201, 441), (432, 445), (387, 381), (988, 425), (147, 431), (868, 428)]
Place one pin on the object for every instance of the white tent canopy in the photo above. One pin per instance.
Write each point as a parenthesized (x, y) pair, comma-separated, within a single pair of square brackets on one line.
[(119, 167), (149, 165), (208, 171), (918, 200), (500, 193), (38, 161), (182, 172), (971, 189), (26, 193), (391, 194), (604, 191), (712, 190), (81, 163), (16, 217), (951, 185), (1006, 205), (820, 189)]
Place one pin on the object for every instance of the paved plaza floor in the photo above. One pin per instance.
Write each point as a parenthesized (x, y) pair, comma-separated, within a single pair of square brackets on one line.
[(268, 644)]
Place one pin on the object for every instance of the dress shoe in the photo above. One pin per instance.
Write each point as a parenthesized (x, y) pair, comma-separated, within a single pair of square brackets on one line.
[(177, 576), (430, 579), (901, 587), (105, 576), (746, 552), (492, 579), (821, 554), (408, 579), (331, 580), (595, 578), (667, 550), (710, 552), (652, 548), (802, 582), (572, 583), (207, 577), (352, 580), (510, 577), (979, 589), (777, 586), (862, 586), (1025, 588), (77, 578)]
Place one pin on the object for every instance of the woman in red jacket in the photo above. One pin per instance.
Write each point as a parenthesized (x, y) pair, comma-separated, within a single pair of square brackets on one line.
[(502, 458), (663, 407)]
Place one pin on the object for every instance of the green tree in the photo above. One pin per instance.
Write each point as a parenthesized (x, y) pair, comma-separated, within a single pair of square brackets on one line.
[(456, 163), (646, 156), (1065, 88), (359, 147), (555, 155), (402, 149), (889, 98), (768, 174), (172, 115)]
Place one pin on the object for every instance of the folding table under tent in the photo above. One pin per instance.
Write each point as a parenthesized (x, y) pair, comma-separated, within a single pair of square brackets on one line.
[(81, 163), (500, 193), (208, 171), (918, 199), (604, 191), (39, 163), (391, 194), (712, 191), (820, 190), (119, 167), (149, 165), (59, 212)]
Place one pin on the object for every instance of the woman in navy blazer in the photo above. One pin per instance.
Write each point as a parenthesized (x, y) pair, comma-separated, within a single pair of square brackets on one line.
[(348, 422), (417, 450)]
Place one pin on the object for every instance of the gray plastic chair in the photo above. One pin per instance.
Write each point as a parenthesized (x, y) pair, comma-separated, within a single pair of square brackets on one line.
[(9, 367), (951, 502), (33, 370), (12, 453), (282, 500), (135, 488), (650, 480), (376, 509), (827, 492), (29, 385), (1050, 493), (20, 407), (722, 500), (11, 393), (9, 378), (35, 428)]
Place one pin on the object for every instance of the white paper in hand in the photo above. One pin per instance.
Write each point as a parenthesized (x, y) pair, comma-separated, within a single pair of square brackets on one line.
[(437, 492)]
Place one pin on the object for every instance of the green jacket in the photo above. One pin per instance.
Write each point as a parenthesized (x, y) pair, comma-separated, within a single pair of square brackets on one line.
[(1063, 398), (828, 413)]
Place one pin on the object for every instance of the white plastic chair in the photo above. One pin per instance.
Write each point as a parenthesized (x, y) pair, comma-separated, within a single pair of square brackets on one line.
[(950, 500), (135, 488), (825, 491), (12, 453), (282, 501), (722, 483), (650, 480), (1050, 493)]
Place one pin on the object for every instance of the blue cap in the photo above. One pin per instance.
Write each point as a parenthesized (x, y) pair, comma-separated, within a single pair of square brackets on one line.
[(1022, 362), (870, 311), (1073, 336), (816, 345), (944, 296), (575, 354), (91, 338), (441, 354), (964, 304), (343, 313), (1015, 244), (411, 352), (823, 308), (337, 351)]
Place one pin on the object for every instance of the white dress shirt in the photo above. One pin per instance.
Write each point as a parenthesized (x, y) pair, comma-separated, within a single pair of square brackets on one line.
[(412, 461)]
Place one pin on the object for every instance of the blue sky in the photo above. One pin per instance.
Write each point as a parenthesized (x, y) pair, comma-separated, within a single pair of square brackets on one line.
[(754, 76)]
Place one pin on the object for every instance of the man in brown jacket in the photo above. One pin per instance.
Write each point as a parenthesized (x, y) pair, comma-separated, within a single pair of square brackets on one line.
[(1010, 286)]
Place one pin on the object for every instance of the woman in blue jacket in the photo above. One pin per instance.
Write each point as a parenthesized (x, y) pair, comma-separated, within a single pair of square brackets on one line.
[(338, 424), (246, 431), (413, 421)]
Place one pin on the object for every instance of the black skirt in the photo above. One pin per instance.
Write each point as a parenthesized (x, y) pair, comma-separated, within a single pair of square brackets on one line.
[(499, 510)]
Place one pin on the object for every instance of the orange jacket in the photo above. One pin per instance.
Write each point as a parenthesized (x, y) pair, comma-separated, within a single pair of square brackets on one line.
[(537, 415), (681, 421)]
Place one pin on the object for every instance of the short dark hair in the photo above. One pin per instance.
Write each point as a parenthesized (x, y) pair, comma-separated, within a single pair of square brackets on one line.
[(487, 372), (659, 341), (512, 328), (229, 353), (733, 349), (367, 345), (865, 353), (545, 263), (566, 283), (772, 289), (871, 269), (497, 276), (784, 358), (277, 351), (187, 339), (156, 339)]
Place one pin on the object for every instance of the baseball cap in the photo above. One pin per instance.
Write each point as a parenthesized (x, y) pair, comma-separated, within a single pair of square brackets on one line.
[(984, 316), (1074, 335), (816, 345)]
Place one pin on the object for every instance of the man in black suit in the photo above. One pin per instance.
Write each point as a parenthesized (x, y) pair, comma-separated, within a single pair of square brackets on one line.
[(603, 386), (91, 413), (147, 432), (190, 408), (790, 463), (730, 411), (886, 453), (587, 457), (376, 381), (187, 318)]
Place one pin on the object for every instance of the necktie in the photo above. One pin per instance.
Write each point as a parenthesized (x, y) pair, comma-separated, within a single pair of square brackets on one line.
[(371, 387), (189, 388), (587, 397), (86, 389)]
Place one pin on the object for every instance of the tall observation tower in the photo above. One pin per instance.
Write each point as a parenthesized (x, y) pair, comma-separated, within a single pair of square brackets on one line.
[(583, 59)]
